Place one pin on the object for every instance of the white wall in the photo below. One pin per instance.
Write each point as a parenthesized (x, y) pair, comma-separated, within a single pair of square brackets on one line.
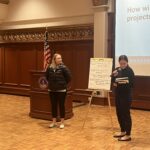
[(37, 13)]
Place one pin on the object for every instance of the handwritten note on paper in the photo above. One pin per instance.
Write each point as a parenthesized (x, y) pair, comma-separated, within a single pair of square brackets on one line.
[(99, 75)]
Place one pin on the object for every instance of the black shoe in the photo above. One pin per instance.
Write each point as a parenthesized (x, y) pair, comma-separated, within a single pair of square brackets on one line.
[(125, 138)]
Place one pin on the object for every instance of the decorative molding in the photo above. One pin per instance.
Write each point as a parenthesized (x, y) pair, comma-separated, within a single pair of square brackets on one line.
[(100, 2), (66, 33), (4, 1)]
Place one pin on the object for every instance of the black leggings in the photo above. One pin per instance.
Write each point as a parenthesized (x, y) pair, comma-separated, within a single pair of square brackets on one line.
[(123, 104), (58, 99)]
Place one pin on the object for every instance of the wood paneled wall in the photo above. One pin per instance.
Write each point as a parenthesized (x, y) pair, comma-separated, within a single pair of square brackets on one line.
[(1, 66), (18, 59), (76, 55)]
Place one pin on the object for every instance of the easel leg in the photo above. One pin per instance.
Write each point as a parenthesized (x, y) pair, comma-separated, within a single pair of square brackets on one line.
[(86, 115), (110, 111)]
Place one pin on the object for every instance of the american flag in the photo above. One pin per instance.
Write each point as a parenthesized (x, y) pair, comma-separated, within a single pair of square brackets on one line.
[(47, 51)]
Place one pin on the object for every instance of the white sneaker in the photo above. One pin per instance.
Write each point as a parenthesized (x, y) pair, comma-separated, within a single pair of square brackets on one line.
[(61, 126), (52, 125)]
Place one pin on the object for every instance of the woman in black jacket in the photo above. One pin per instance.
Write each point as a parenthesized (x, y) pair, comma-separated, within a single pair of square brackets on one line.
[(58, 77), (123, 98)]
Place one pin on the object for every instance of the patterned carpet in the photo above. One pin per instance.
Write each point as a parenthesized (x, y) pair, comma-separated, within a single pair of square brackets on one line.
[(20, 132)]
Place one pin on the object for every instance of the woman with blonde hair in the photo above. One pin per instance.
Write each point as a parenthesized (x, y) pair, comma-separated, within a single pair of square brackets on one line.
[(58, 77)]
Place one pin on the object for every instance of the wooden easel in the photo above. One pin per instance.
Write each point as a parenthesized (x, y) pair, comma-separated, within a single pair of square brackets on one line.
[(109, 105)]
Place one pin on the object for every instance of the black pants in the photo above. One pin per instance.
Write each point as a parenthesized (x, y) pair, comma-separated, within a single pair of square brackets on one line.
[(123, 103), (58, 100)]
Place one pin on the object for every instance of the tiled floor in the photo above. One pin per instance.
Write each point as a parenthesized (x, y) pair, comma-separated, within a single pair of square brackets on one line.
[(20, 132)]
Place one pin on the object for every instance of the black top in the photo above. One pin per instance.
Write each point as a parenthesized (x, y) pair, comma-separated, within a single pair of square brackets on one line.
[(127, 72), (58, 77)]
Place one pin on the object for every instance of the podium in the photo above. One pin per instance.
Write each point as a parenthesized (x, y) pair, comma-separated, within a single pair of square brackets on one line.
[(40, 106)]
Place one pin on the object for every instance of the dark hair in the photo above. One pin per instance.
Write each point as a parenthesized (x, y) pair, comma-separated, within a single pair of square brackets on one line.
[(123, 57)]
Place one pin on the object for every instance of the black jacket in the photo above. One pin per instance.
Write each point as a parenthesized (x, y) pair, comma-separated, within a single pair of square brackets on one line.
[(124, 89), (58, 78)]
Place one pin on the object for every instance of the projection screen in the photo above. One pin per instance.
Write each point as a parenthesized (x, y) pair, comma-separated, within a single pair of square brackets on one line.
[(132, 34)]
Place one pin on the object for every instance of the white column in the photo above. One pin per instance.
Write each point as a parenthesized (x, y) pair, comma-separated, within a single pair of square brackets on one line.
[(100, 31), (3, 11)]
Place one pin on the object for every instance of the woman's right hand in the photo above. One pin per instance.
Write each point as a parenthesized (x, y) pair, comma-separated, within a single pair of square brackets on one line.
[(115, 73)]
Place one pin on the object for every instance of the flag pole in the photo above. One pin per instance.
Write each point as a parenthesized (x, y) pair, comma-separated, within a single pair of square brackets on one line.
[(47, 50), (46, 27)]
